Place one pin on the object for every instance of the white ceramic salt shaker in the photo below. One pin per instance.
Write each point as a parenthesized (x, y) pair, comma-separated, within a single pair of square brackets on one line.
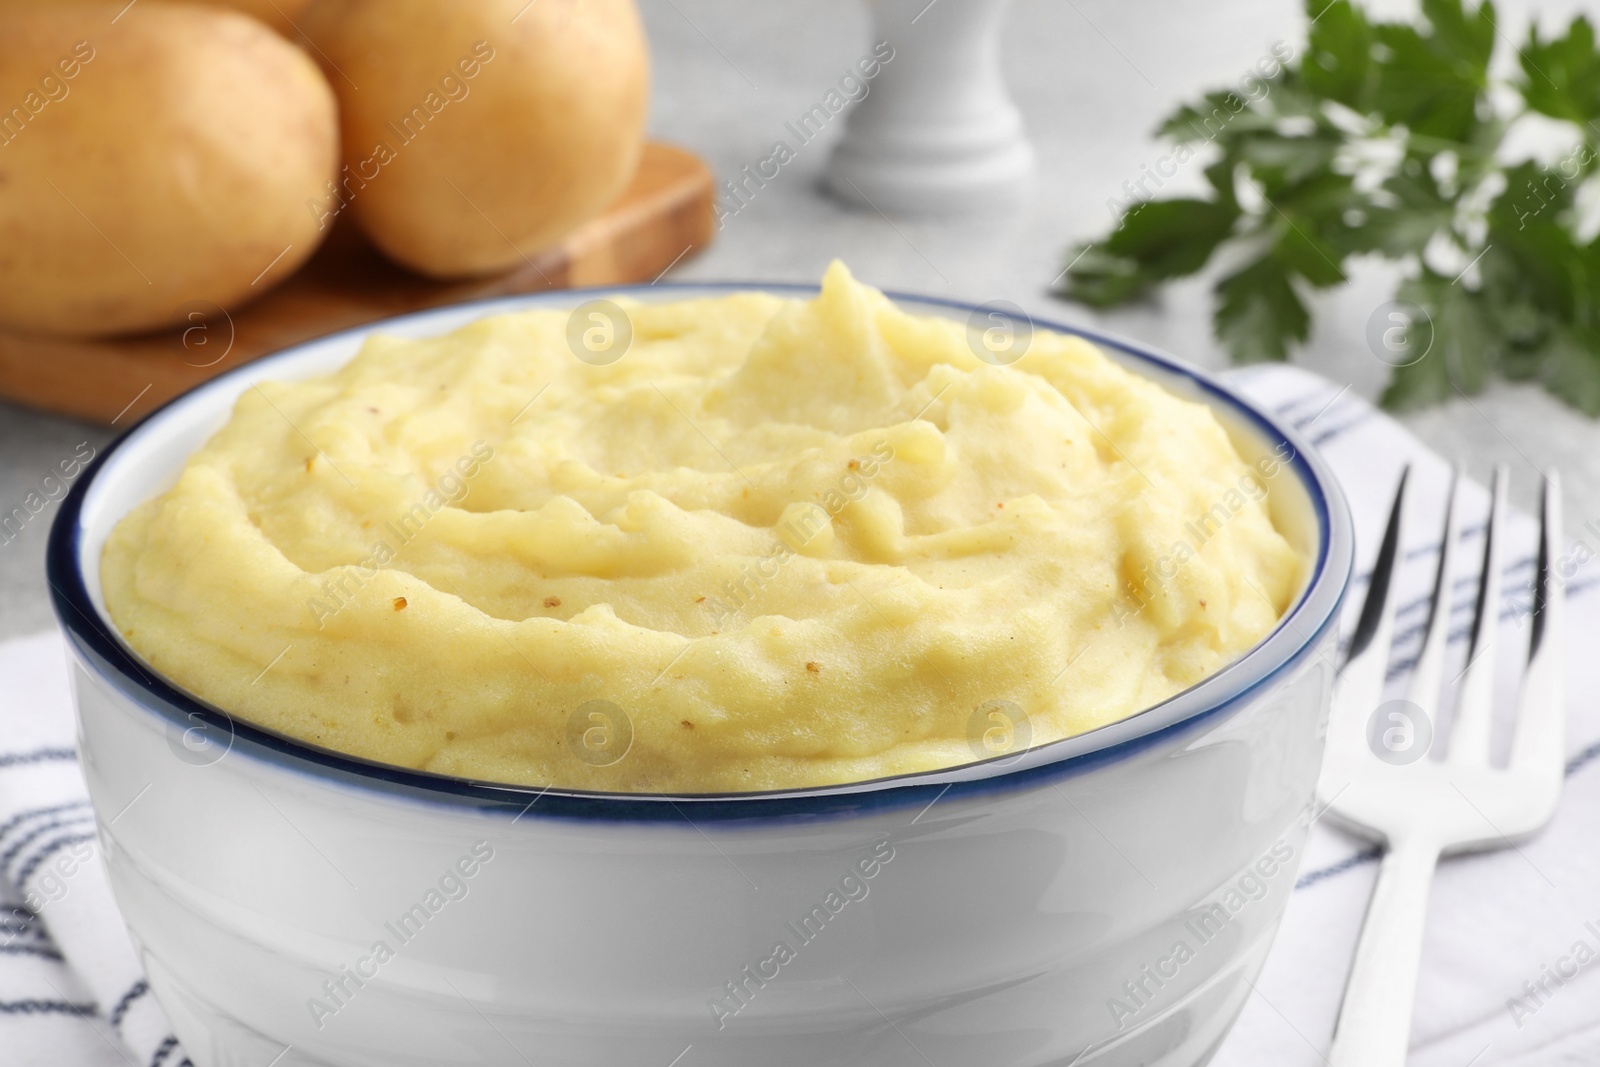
[(937, 133)]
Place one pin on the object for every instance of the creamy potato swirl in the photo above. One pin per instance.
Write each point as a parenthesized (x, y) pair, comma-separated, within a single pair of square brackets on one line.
[(779, 543)]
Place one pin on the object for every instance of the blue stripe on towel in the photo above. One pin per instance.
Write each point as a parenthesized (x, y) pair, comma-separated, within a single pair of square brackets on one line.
[(135, 991), (26, 870), (1583, 759), (33, 813), (40, 755), (20, 921), (1323, 437), (165, 1049), (44, 951), (1339, 868), (37, 832), (44, 1007)]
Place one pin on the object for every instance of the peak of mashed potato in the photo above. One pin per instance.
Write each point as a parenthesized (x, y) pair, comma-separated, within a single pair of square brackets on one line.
[(779, 543)]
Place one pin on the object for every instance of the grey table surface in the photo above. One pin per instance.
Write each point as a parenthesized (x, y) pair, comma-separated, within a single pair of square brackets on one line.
[(1092, 78)]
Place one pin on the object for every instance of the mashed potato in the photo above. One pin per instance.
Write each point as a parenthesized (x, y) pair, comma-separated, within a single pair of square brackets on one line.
[(778, 543)]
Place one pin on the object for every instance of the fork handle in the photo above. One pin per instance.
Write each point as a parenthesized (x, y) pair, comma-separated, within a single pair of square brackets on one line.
[(1374, 1028)]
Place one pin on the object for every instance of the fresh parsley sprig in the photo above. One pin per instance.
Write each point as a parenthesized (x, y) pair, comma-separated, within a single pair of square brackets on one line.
[(1388, 139)]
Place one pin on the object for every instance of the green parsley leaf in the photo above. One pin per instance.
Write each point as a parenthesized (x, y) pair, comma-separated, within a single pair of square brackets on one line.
[(1157, 240), (1572, 369), (1386, 138), (1561, 77), (1458, 353), (1425, 88), (1258, 312), (1338, 64)]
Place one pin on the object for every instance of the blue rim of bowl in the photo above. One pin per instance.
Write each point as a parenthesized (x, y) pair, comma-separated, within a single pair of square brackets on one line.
[(91, 634)]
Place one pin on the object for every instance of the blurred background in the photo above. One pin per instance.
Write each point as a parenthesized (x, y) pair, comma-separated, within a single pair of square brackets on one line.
[(1092, 78)]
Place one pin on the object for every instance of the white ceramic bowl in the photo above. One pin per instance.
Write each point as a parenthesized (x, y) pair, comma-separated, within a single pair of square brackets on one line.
[(1114, 892)]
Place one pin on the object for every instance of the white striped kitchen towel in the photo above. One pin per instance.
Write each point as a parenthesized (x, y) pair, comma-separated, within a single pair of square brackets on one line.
[(1511, 973)]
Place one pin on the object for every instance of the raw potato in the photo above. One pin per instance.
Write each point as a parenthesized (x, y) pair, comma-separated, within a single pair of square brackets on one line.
[(281, 15), (477, 132), (154, 165)]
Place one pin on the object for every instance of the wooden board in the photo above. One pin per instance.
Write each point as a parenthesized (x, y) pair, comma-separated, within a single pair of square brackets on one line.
[(662, 219)]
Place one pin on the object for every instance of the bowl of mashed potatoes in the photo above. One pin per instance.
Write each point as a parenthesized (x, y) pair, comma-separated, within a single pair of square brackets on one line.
[(753, 673)]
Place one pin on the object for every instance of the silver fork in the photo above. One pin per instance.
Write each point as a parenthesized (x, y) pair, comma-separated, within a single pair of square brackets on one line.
[(1377, 778)]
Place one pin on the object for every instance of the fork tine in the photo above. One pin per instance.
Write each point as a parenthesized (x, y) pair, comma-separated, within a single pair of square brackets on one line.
[(1361, 679), (1430, 661), (1469, 736), (1540, 740)]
